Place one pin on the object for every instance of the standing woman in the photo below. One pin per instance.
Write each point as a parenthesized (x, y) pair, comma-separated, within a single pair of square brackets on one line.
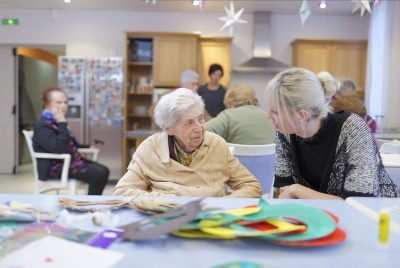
[(52, 135), (213, 92), (320, 154)]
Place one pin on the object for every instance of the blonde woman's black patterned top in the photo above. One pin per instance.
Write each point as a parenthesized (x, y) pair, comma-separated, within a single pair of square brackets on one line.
[(341, 159)]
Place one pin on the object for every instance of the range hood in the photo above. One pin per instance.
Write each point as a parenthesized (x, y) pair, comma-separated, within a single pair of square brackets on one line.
[(261, 61)]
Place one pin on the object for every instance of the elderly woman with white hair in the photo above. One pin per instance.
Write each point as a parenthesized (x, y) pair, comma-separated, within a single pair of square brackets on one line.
[(320, 154), (184, 159)]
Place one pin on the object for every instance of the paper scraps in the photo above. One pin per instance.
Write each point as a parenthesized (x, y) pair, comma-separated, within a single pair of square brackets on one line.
[(160, 224), (56, 252), (15, 211), (289, 224)]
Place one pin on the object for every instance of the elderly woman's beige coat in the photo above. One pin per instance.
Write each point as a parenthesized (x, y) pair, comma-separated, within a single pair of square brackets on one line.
[(153, 172)]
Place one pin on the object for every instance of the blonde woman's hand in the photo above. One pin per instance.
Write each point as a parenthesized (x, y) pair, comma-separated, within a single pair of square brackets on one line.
[(287, 192)]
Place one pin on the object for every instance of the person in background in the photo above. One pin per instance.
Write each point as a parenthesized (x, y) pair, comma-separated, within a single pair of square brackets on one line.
[(190, 79), (185, 159), (213, 92), (52, 135), (320, 154), (347, 88), (243, 122)]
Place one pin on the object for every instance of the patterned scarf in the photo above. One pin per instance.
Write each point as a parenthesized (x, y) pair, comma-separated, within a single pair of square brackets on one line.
[(184, 158), (77, 162)]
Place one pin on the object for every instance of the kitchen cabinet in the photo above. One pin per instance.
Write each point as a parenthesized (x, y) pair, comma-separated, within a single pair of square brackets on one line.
[(173, 54), (342, 58), (214, 50)]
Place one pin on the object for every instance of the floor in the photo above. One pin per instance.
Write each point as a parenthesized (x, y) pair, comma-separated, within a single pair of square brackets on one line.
[(22, 183)]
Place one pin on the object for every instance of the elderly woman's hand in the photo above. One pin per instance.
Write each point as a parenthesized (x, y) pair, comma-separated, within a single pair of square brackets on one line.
[(58, 115)]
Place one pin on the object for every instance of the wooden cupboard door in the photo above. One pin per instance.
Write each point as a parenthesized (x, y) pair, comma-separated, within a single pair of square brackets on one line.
[(342, 58), (171, 56), (350, 61), (315, 57), (215, 50)]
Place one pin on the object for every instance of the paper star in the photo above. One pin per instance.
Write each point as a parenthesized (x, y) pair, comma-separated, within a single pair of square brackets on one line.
[(363, 5), (231, 18), (304, 11), (154, 1)]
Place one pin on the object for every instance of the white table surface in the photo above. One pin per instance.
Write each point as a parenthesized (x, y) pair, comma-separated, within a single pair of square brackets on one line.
[(360, 249), (372, 206), (391, 160)]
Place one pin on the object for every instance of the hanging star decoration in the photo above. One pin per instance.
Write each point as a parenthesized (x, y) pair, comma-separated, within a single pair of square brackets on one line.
[(154, 1), (304, 11), (231, 18), (363, 5)]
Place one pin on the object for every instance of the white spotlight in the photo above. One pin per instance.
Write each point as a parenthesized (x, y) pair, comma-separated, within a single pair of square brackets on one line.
[(323, 4), (196, 2)]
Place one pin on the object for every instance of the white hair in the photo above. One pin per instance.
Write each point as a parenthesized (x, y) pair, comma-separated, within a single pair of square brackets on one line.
[(172, 106), (188, 75)]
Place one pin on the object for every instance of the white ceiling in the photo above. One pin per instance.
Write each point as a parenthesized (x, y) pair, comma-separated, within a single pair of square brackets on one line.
[(335, 7)]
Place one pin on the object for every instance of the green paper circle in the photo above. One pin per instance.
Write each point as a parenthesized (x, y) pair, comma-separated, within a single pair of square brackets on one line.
[(319, 224)]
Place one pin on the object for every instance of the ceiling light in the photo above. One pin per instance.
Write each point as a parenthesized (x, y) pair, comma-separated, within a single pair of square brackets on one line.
[(67, 1), (323, 4), (196, 2)]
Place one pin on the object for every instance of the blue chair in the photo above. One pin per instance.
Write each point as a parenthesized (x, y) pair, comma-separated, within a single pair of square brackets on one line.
[(260, 161)]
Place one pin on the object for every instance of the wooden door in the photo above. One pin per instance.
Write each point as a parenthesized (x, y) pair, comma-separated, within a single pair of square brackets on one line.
[(215, 50), (350, 61), (315, 56), (8, 110), (173, 54)]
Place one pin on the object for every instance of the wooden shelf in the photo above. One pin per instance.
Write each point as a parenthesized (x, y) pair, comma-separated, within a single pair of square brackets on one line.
[(140, 63), (140, 93), (139, 115)]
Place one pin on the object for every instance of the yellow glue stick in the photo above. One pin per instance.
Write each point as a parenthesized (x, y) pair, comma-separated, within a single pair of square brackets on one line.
[(384, 225)]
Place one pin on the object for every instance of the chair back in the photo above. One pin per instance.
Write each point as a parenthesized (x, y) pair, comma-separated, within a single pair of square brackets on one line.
[(50, 185), (259, 160), (28, 137)]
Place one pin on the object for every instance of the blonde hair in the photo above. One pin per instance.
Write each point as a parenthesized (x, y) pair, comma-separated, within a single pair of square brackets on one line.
[(240, 95), (298, 88)]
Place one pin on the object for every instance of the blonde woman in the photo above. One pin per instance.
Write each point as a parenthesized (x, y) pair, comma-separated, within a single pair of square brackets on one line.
[(320, 154), (243, 122)]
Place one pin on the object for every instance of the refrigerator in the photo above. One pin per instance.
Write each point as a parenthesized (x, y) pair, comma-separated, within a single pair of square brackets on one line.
[(94, 89)]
